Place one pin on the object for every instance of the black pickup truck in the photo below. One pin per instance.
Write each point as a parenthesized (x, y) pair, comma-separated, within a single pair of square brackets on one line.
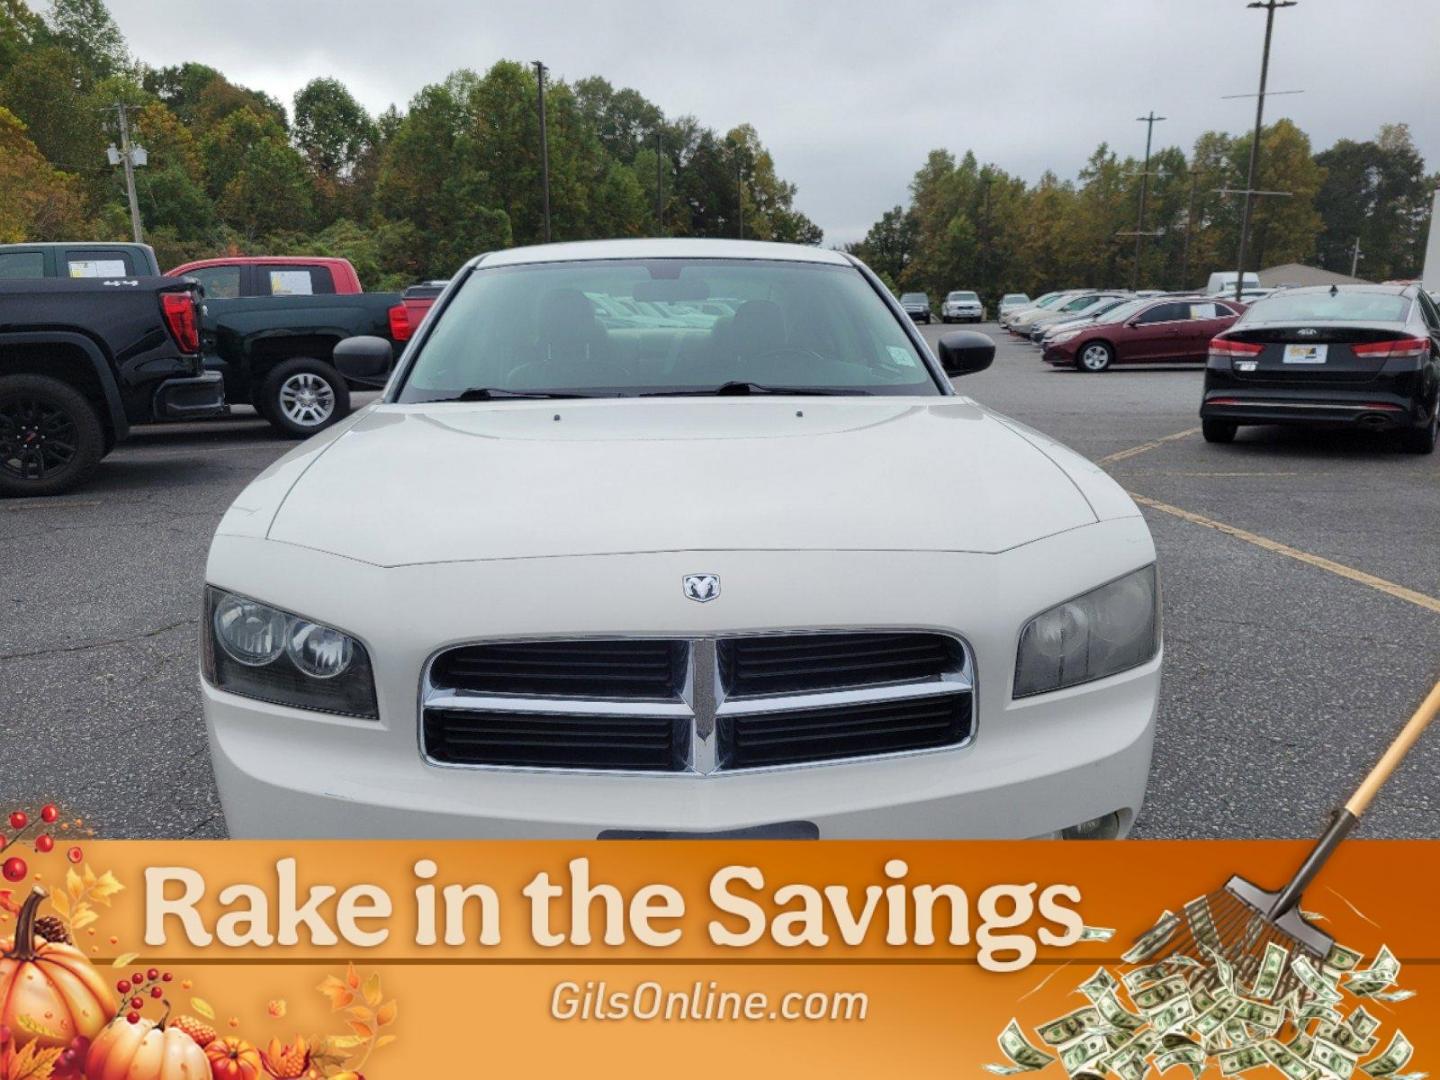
[(81, 360), (274, 352)]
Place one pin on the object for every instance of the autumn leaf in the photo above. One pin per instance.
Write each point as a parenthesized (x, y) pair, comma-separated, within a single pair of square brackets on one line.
[(384, 1040), (124, 959), (35, 1027), (386, 1013), (339, 994), (73, 884), (361, 1013), (372, 990), (352, 977), (344, 1042), (83, 916), (203, 1007), (365, 1031), (33, 1063), (105, 887), (277, 1008)]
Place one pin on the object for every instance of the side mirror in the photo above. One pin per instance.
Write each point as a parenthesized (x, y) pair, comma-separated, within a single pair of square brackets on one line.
[(363, 357), (964, 352)]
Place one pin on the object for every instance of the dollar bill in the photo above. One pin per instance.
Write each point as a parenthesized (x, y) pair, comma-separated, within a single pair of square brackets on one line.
[(1287, 1061), (1064, 1029), (1313, 981), (1267, 1017), (1240, 1059), (1382, 972), (1023, 1056), (1361, 1022), (1166, 990), (1223, 971), (1396, 1056), (1213, 1019), (1115, 1014), (1153, 940), (1334, 1059), (1083, 1052), (1272, 966), (1097, 933), (1148, 973), (1346, 1038), (1102, 982), (1173, 1015), (1343, 959), (1391, 995), (1302, 1044), (1191, 1056)]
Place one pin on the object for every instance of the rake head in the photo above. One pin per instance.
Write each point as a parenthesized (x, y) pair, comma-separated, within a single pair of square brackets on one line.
[(1236, 924)]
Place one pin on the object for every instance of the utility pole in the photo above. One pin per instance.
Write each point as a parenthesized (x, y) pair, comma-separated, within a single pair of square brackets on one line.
[(1189, 228), (1355, 258), (659, 184), (739, 194), (1269, 6), (127, 157), (540, 70), (1149, 122)]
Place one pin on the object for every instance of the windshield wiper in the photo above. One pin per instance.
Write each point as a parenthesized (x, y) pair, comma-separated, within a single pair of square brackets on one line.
[(490, 393), (740, 389)]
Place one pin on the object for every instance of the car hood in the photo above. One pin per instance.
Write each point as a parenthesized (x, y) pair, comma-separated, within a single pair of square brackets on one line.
[(406, 484)]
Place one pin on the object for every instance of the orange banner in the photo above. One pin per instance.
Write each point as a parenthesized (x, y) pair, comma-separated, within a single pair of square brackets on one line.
[(405, 959)]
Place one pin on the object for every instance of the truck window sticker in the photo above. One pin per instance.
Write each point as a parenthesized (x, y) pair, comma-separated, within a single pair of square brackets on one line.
[(97, 268), (290, 283)]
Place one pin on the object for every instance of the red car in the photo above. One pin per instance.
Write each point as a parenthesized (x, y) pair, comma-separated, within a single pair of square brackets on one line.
[(1155, 330)]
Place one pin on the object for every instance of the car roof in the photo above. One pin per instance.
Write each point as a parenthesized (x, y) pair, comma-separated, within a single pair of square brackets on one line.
[(73, 244), (1392, 290), (662, 248)]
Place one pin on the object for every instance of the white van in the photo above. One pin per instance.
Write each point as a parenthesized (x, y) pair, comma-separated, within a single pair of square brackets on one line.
[(1222, 282)]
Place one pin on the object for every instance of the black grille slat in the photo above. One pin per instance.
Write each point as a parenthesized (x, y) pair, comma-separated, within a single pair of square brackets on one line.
[(784, 738), (811, 663), (494, 737), (640, 669)]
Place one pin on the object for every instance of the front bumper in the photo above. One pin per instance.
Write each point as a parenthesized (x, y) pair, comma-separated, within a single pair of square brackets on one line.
[(1032, 768), (1061, 354)]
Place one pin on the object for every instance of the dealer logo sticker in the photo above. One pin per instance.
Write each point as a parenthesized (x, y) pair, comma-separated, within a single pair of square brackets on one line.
[(702, 588)]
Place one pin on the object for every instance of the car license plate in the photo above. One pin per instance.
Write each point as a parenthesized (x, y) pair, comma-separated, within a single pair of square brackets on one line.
[(1305, 354)]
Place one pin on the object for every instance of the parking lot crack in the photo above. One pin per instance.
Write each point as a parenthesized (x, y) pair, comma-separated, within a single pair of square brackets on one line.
[(103, 644)]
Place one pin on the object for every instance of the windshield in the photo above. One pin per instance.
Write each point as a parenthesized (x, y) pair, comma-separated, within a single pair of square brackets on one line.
[(617, 328), (1122, 311), (1051, 298), (1015, 298), (1329, 307), (962, 296), (913, 298)]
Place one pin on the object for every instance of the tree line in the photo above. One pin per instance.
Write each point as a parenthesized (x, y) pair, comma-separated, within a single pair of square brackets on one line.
[(972, 226), (404, 195)]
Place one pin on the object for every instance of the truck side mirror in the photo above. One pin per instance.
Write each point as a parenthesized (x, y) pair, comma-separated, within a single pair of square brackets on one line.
[(363, 357), (964, 352)]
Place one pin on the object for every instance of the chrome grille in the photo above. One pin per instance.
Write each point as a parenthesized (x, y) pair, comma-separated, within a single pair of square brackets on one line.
[(696, 706)]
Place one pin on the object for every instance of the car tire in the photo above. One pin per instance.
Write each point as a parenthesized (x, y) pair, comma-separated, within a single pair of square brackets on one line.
[(303, 396), (1095, 357), (1421, 440), (50, 436), (1219, 431)]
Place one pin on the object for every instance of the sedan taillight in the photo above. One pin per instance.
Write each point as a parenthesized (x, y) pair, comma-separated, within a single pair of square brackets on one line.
[(181, 319), (1228, 347), (1386, 350)]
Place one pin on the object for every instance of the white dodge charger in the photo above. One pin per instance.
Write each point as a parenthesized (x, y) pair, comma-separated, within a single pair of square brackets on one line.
[(674, 538)]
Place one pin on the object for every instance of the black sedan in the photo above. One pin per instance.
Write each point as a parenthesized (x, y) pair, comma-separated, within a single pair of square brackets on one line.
[(1349, 355)]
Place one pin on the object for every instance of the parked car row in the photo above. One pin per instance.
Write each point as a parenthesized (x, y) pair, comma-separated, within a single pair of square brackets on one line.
[(960, 305)]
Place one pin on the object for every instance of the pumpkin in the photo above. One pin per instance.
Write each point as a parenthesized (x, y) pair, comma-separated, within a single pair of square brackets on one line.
[(145, 1050), (49, 984), (233, 1059)]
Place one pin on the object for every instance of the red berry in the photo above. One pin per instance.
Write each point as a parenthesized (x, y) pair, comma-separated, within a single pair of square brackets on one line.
[(123, 986), (152, 974), (156, 992), (137, 1003), (19, 819), (50, 813), (138, 978), (15, 869), (44, 844), (133, 1017), (166, 977), (74, 854)]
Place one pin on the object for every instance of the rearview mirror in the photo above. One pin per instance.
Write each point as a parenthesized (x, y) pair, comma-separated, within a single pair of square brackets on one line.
[(363, 357), (964, 352)]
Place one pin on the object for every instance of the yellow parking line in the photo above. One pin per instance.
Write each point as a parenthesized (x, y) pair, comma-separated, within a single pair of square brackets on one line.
[(1121, 455), (1400, 592)]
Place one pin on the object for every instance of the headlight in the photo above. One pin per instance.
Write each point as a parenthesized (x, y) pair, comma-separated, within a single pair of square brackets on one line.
[(1111, 629), (1064, 335), (257, 651)]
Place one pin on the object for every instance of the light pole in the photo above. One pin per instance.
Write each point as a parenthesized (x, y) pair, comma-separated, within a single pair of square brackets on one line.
[(739, 194), (1269, 6), (659, 183), (540, 70), (1149, 122)]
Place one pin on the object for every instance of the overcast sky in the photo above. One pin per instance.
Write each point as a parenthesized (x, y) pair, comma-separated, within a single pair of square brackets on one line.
[(850, 96)]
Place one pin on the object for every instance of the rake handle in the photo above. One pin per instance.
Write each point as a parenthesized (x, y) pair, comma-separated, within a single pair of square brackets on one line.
[(1349, 815)]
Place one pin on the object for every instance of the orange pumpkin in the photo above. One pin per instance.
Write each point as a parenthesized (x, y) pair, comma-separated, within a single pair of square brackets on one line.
[(233, 1059), (145, 1051), (50, 984)]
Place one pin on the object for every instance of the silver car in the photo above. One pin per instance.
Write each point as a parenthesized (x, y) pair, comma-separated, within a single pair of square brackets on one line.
[(962, 306)]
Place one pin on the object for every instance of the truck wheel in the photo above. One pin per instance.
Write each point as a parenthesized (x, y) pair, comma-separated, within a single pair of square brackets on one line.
[(303, 396), (1219, 431), (50, 436)]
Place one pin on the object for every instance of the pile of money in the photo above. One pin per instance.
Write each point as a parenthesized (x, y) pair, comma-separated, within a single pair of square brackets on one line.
[(1199, 1011)]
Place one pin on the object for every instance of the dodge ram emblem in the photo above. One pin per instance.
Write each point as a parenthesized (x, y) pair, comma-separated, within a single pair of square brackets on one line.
[(1307, 332), (702, 588)]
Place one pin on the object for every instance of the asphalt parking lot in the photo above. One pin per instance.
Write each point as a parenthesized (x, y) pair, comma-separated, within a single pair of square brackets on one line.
[(1301, 578)]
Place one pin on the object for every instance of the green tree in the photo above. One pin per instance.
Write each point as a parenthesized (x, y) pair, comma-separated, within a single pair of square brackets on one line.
[(85, 30), (1375, 192), (37, 201), (331, 129)]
